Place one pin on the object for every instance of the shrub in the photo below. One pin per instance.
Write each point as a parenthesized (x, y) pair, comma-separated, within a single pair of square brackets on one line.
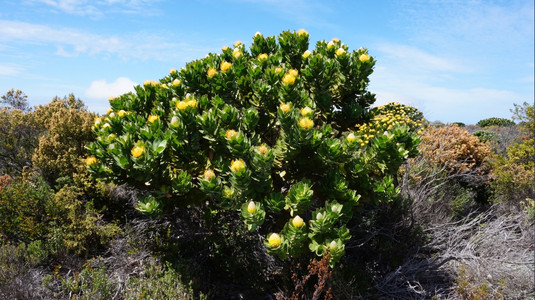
[(61, 149), (267, 132), (495, 122), (449, 175)]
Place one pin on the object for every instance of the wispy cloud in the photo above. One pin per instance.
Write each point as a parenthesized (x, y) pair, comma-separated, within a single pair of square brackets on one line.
[(71, 42), (97, 8), (418, 59), (308, 13), (9, 69)]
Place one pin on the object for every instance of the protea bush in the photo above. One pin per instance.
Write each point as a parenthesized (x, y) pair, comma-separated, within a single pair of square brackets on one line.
[(270, 132)]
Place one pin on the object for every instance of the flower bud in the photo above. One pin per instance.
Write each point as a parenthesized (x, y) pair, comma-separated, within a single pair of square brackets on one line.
[(297, 221), (208, 174), (274, 240), (251, 208), (333, 245)]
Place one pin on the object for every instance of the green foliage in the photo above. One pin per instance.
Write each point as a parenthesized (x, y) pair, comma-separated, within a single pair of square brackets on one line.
[(495, 122), (460, 124), (525, 114), (19, 134), (485, 136), (158, 282), (15, 100), (273, 126), (31, 211), (61, 149)]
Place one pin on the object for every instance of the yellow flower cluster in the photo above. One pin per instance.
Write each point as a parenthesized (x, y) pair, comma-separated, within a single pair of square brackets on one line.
[(290, 76), (278, 70), (263, 149), (301, 32), (262, 56), (306, 54), (183, 104), (364, 57), (285, 107), (306, 123), (208, 174), (137, 151), (237, 165), (211, 72), (230, 134), (236, 53), (153, 118), (305, 111), (150, 83), (225, 66), (121, 113), (176, 83), (340, 51), (90, 160)]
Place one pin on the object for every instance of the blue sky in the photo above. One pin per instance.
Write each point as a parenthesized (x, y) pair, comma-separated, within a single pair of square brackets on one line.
[(455, 60)]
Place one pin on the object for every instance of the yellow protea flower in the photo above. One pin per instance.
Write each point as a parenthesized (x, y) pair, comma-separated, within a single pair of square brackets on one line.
[(285, 107), (293, 72), (251, 208), (192, 103), (340, 51), (121, 113), (236, 53), (257, 34), (319, 216), (137, 151), (112, 136), (172, 71), (274, 240), (297, 221), (335, 40), (97, 121), (262, 56), (208, 174), (176, 82), (288, 79), (224, 48), (230, 134), (225, 66), (301, 32), (278, 70), (211, 72), (330, 45), (306, 123), (153, 118), (90, 160), (181, 105), (351, 137), (109, 111), (110, 99), (306, 111), (237, 43), (237, 165), (364, 57), (306, 54), (146, 83), (106, 126), (262, 149)]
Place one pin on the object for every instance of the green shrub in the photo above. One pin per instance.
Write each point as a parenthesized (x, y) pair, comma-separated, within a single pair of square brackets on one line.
[(267, 132), (495, 122)]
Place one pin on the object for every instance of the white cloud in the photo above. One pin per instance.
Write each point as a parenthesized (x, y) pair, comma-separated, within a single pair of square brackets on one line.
[(100, 89), (71, 42)]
